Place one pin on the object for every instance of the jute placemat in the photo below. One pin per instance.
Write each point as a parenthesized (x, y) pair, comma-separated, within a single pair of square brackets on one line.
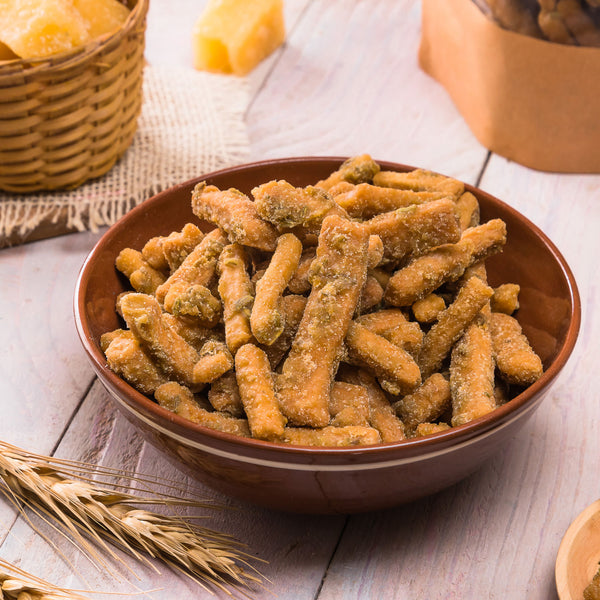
[(191, 123)]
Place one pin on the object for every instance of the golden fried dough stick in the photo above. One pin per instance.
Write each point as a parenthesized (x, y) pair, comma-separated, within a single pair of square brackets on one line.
[(467, 207), (414, 230), (233, 212), (393, 366), (237, 295), (420, 180), (341, 188), (126, 358), (351, 435), (169, 350), (427, 309), (424, 429), (427, 403), (286, 206), (349, 404), (292, 308), (506, 298), (198, 268), (391, 324), (372, 294), (451, 324), (364, 201), (358, 169), (224, 395), (514, 16), (194, 334), (255, 383), (337, 274), (381, 413), (141, 275), (592, 590), (375, 251), (299, 283), (472, 374), (516, 360), (197, 303), (180, 400), (566, 22), (215, 360), (445, 263), (166, 253), (267, 318)]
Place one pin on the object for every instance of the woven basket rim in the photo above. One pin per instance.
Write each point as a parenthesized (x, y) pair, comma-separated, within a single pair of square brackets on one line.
[(69, 58)]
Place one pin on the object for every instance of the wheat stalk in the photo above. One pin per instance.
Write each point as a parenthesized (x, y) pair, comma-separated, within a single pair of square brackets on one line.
[(78, 504), (16, 584)]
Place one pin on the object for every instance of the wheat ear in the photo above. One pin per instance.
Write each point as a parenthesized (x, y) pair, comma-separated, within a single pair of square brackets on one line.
[(78, 504), (16, 584)]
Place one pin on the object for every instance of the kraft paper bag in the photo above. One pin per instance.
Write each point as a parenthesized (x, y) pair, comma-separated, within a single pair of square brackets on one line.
[(532, 101)]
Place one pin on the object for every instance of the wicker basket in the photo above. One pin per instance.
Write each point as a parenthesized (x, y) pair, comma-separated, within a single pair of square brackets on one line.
[(69, 117)]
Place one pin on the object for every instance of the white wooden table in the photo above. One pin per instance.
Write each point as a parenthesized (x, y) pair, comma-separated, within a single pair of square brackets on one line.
[(345, 82)]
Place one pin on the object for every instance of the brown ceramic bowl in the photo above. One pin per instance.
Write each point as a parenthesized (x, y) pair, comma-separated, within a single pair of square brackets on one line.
[(331, 480)]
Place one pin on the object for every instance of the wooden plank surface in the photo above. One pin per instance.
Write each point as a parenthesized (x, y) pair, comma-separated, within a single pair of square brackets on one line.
[(345, 82)]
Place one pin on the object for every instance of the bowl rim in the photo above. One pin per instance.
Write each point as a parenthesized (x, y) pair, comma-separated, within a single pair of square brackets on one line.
[(412, 447)]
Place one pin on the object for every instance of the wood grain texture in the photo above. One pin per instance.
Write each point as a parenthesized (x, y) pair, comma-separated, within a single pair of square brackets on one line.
[(346, 81)]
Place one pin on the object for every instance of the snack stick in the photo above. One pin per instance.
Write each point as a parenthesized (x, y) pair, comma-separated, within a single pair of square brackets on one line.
[(391, 324), (579, 23), (126, 358), (448, 262), (515, 16), (414, 230), (338, 274), (341, 188), (553, 26), (385, 360), (195, 302), (233, 212), (224, 395), (141, 275), (451, 324), (516, 360), (381, 413), (375, 251), (180, 400), (467, 207), (255, 383), (472, 375), (424, 429), (194, 334), (267, 319), (506, 298), (215, 361), (237, 296), (178, 245), (299, 283), (166, 253), (349, 404), (358, 169), (364, 200), (286, 206), (351, 435), (427, 403), (292, 308), (428, 308), (198, 268), (420, 180), (169, 350), (381, 275), (372, 294)]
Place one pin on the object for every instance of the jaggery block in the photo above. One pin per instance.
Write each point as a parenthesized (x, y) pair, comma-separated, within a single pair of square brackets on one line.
[(102, 16), (233, 36), (39, 28)]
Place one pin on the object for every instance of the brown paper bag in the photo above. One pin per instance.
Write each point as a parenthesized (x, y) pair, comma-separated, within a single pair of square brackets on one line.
[(529, 100)]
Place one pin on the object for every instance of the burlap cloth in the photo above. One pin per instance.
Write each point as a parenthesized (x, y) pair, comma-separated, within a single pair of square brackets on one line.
[(191, 123)]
